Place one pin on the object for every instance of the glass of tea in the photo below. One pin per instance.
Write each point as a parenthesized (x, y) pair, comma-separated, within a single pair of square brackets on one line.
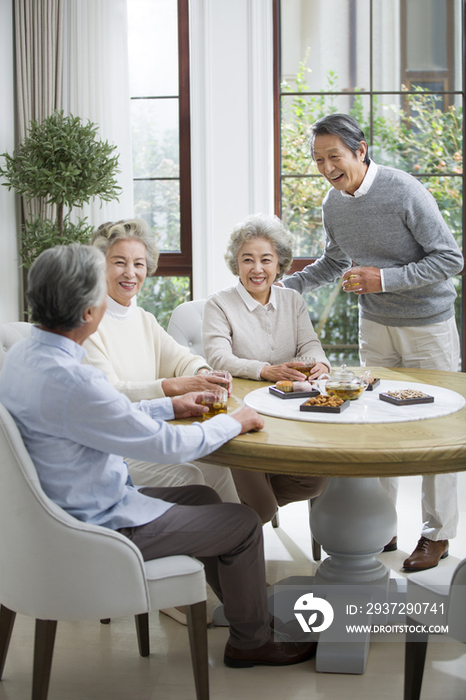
[(216, 401), (309, 363), (220, 376)]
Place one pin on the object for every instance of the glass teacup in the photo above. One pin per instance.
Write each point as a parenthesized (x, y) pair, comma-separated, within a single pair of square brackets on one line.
[(220, 376), (309, 363), (216, 401)]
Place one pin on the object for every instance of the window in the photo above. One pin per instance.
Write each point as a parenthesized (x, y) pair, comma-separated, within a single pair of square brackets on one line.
[(428, 64), (160, 126), (396, 66)]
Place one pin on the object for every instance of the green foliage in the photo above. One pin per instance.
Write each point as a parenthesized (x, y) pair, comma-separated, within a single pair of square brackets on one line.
[(40, 234), (157, 154), (160, 295), (60, 162), (421, 138)]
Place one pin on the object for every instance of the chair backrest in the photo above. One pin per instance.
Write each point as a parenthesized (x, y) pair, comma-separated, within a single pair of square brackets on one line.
[(53, 566), (185, 325), (10, 333)]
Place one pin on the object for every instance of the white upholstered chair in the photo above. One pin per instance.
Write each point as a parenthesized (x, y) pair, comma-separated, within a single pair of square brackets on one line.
[(10, 333), (185, 326), (54, 567), (437, 597)]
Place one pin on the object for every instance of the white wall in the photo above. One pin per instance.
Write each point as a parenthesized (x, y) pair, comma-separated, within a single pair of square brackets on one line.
[(10, 305), (232, 127), (232, 135)]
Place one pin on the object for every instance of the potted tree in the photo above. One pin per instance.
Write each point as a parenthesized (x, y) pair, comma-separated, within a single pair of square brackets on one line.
[(61, 163)]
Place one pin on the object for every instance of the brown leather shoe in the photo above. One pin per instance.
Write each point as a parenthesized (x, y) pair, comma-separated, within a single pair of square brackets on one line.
[(392, 546), (426, 555), (269, 654)]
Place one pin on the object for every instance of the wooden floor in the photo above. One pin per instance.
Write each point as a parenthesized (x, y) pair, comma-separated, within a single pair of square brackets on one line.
[(101, 662)]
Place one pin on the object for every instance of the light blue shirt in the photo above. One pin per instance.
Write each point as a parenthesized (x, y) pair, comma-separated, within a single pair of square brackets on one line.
[(77, 428)]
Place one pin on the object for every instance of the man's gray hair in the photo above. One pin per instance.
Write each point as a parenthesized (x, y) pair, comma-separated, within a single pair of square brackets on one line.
[(343, 126), (63, 282), (261, 226), (127, 230)]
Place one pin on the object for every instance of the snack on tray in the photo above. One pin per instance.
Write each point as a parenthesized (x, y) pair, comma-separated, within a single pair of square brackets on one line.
[(373, 382), (302, 386), (406, 397), (284, 385), (325, 404), (406, 394), (329, 401), (299, 390)]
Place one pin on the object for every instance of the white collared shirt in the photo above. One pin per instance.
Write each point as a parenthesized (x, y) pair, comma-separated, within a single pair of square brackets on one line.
[(250, 302), (366, 183)]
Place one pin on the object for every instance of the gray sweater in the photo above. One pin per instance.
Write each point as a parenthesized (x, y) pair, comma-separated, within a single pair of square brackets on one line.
[(396, 226)]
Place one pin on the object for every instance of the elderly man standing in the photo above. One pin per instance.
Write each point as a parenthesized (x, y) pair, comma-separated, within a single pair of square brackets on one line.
[(384, 225), (76, 427)]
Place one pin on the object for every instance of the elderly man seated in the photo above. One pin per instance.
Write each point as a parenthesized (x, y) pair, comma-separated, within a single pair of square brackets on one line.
[(76, 427)]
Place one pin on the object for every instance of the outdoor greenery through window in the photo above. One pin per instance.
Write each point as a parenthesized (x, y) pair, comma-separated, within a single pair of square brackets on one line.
[(396, 67), (157, 57)]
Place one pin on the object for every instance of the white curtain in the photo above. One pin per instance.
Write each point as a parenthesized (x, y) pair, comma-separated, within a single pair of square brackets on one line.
[(72, 55), (96, 87)]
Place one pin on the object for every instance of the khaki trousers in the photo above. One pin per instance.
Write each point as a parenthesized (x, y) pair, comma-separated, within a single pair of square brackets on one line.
[(435, 346)]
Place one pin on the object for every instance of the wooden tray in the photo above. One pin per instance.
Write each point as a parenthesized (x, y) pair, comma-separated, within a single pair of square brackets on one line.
[(325, 409), (293, 394), (375, 383), (405, 402)]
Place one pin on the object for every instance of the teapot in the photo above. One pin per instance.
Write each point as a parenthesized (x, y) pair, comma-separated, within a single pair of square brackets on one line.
[(344, 383)]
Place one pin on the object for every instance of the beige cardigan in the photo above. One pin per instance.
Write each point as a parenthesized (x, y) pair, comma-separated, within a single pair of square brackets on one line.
[(242, 336)]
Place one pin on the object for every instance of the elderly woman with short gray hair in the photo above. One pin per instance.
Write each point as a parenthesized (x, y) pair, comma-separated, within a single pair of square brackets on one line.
[(254, 330)]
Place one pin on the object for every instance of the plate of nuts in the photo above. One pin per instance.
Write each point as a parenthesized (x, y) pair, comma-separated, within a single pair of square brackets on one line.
[(406, 397), (325, 404)]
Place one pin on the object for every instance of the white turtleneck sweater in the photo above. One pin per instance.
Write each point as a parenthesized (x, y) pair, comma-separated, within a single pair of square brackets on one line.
[(136, 354)]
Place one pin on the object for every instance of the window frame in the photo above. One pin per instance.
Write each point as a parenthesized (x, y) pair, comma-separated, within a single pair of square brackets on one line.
[(179, 263)]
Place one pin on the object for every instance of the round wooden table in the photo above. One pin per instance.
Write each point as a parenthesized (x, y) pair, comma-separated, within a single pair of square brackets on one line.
[(353, 518), (371, 450)]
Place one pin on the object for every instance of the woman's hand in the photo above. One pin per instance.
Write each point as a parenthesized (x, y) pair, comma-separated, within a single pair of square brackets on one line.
[(176, 386), (318, 369), (287, 370), (275, 373), (225, 383)]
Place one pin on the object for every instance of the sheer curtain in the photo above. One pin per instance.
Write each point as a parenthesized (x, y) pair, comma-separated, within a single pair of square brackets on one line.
[(96, 87), (72, 55)]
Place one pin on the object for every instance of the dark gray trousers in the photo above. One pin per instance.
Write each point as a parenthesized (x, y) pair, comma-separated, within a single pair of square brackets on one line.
[(227, 539)]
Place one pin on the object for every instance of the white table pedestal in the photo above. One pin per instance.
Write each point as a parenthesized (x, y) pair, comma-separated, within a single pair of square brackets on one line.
[(353, 519)]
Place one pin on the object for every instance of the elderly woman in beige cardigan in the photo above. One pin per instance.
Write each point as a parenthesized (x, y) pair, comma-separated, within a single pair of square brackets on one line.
[(254, 330)]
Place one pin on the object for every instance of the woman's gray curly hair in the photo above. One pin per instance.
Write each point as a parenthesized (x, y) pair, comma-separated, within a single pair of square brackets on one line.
[(127, 230), (261, 226)]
